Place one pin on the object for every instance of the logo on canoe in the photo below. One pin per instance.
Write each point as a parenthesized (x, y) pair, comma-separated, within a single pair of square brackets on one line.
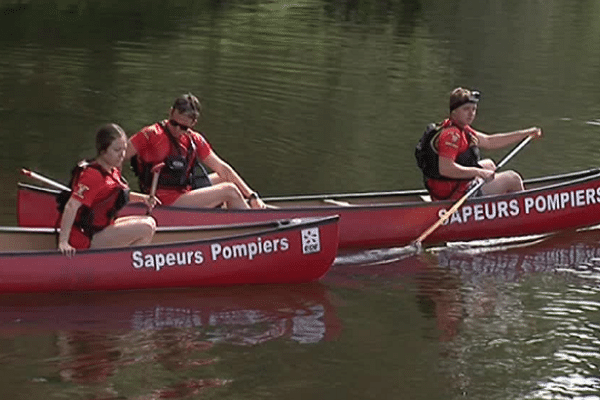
[(311, 242)]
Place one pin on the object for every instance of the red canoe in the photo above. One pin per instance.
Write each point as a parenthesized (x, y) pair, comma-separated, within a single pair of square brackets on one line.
[(276, 252), (386, 219)]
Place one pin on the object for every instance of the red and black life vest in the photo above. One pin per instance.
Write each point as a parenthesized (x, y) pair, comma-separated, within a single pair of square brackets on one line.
[(91, 220), (180, 171), (427, 156)]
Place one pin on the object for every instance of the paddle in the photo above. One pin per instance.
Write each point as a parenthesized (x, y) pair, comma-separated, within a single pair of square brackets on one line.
[(417, 242), (42, 178), (155, 173)]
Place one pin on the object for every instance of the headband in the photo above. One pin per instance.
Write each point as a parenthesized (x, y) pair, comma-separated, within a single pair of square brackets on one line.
[(469, 97)]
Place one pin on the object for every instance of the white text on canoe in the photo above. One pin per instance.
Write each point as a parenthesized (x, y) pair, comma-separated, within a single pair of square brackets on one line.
[(217, 252), (539, 204)]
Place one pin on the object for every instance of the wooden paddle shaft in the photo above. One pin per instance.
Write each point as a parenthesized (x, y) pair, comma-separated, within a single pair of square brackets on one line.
[(155, 173), (42, 178), (514, 151)]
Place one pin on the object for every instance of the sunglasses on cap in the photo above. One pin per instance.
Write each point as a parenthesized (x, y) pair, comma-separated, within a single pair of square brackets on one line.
[(475, 95), (472, 97), (178, 125)]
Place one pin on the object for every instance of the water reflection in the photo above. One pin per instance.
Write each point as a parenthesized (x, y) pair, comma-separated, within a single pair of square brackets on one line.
[(569, 253), (438, 291), (531, 309), (240, 316), (100, 339), (522, 317)]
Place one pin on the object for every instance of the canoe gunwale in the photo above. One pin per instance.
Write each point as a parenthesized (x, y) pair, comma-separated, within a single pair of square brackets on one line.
[(282, 225), (389, 220), (562, 180)]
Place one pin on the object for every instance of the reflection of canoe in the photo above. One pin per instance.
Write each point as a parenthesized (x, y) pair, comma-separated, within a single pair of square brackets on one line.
[(238, 315), (572, 253), (285, 251), (391, 218), (470, 280), (575, 253)]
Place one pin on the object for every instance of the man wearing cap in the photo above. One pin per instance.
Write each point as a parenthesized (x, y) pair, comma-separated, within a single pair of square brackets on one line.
[(183, 181), (456, 149)]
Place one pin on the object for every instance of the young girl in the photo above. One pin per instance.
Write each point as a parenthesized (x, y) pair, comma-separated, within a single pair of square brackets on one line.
[(98, 191)]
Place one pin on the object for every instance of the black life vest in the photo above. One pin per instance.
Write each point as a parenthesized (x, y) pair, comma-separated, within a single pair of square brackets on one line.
[(92, 220), (180, 170), (428, 158)]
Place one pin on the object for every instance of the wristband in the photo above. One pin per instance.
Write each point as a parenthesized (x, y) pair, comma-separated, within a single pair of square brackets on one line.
[(253, 195)]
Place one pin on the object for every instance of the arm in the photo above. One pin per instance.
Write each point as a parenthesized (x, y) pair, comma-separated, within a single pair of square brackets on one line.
[(66, 224), (500, 140), (228, 174), (450, 169), (150, 201), (449, 144)]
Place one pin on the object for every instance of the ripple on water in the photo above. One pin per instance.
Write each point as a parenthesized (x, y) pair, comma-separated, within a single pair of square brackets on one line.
[(572, 314)]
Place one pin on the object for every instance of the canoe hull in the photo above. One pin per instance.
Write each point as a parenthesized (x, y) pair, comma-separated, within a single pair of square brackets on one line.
[(300, 252), (388, 219)]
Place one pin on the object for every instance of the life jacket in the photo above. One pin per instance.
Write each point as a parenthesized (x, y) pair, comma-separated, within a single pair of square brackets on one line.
[(91, 220), (428, 158), (180, 170)]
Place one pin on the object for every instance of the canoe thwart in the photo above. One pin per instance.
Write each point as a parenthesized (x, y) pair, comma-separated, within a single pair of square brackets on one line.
[(337, 202)]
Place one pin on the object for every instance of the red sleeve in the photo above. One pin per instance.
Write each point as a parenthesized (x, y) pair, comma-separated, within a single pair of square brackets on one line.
[(449, 143), (87, 187), (203, 148), (151, 144)]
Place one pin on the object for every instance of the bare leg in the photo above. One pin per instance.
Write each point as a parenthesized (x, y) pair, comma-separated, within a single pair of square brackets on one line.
[(504, 182), (126, 231), (213, 196)]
